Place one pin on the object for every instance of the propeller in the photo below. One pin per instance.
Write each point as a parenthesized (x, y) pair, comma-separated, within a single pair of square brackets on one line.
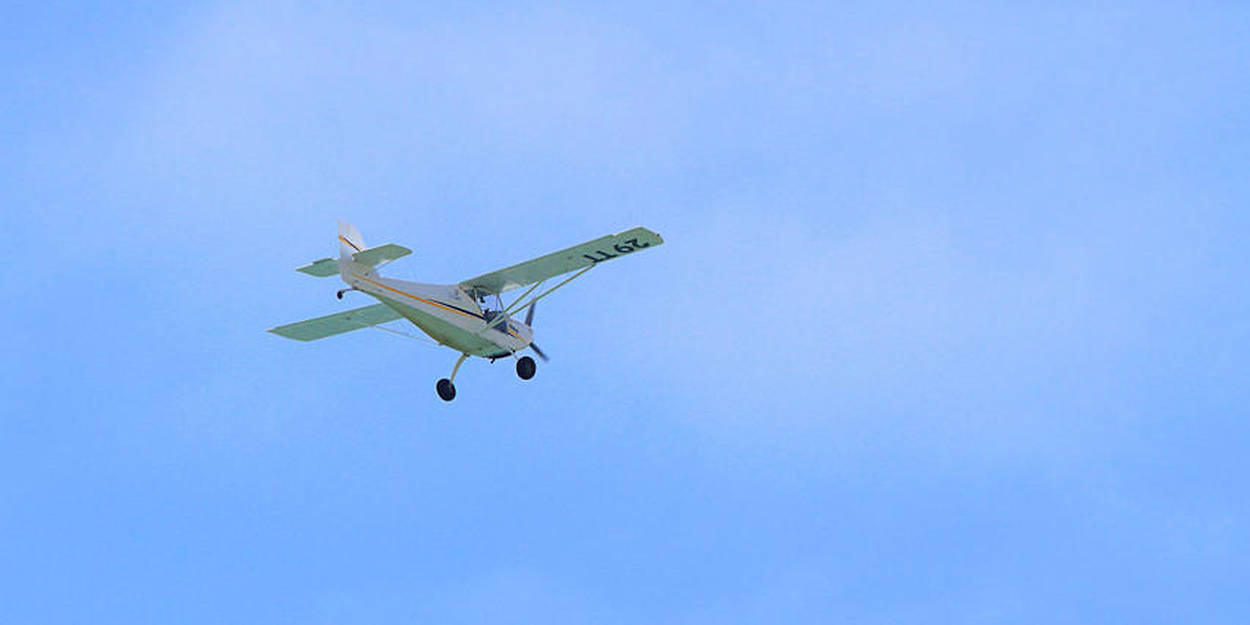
[(529, 321), (539, 352)]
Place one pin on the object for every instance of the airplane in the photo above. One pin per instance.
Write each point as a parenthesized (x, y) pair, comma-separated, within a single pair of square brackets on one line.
[(456, 315)]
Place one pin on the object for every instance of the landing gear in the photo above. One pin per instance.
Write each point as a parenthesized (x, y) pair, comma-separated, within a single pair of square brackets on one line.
[(340, 292), (446, 389), (525, 367)]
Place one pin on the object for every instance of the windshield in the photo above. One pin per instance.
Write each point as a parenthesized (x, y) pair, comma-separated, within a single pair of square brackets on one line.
[(498, 321)]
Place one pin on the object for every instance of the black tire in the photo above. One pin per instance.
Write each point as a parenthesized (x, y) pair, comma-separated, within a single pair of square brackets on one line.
[(446, 390), (525, 367)]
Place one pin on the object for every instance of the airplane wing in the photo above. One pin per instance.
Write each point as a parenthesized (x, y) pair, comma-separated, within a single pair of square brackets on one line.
[(563, 261), (338, 323)]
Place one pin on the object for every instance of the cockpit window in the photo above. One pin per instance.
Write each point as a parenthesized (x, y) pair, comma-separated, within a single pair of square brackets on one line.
[(497, 321)]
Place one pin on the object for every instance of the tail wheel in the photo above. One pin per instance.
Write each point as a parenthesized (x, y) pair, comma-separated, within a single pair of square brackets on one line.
[(525, 367), (446, 390)]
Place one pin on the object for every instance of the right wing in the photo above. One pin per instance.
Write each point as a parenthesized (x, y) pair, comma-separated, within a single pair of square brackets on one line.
[(338, 323), (564, 261)]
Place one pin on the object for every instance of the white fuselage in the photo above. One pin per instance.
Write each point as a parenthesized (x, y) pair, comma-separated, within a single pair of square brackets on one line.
[(448, 313)]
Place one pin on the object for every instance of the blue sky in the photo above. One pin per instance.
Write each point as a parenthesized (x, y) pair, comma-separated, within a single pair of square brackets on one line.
[(951, 324)]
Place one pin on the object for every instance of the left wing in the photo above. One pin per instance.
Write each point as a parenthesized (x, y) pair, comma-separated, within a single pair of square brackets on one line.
[(338, 323), (564, 261)]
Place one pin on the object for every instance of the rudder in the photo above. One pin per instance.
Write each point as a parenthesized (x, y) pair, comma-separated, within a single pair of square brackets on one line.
[(350, 242)]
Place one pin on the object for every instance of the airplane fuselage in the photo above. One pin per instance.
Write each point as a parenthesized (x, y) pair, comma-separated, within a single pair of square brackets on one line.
[(448, 314)]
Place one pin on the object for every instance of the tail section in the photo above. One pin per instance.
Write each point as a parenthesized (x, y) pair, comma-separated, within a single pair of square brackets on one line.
[(354, 257), (350, 240), (350, 244)]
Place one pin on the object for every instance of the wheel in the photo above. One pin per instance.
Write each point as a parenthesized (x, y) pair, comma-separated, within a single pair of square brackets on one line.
[(525, 367), (446, 389)]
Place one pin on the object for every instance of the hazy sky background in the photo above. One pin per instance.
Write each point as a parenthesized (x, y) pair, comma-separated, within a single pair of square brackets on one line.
[(951, 325)]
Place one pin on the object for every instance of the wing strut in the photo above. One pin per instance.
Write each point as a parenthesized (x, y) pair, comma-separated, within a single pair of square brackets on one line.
[(515, 308), (523, 296)]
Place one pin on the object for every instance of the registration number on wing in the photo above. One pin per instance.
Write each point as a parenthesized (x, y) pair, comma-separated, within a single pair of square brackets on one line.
[(624, 247)]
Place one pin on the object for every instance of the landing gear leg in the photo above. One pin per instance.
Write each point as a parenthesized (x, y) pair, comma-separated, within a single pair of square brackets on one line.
[(446, 389), (340, 292), (525, 367)]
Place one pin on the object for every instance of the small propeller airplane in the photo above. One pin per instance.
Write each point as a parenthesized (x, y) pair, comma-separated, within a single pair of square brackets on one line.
[(456, 315)]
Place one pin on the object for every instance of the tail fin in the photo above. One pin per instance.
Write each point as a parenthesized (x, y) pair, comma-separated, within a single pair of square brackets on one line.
[(350, 240), (354, 257), (350, 243)]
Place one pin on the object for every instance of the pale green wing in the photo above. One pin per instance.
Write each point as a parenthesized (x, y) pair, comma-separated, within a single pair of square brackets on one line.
[(564, 261), (338, 323)]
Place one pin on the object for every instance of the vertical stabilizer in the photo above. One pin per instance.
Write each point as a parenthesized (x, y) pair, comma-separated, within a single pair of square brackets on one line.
[(350, 242)]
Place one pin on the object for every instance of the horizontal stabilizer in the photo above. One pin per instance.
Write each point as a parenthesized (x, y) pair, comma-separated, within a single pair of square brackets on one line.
[(338, 323), (323, 268), (375, 256), (372, 257)]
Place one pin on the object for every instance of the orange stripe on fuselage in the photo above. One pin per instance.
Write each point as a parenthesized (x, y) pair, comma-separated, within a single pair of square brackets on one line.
[(430, 302), (419, 299)]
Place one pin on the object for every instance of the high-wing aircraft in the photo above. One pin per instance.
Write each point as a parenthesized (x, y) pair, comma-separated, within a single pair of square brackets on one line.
[(456, 315)]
